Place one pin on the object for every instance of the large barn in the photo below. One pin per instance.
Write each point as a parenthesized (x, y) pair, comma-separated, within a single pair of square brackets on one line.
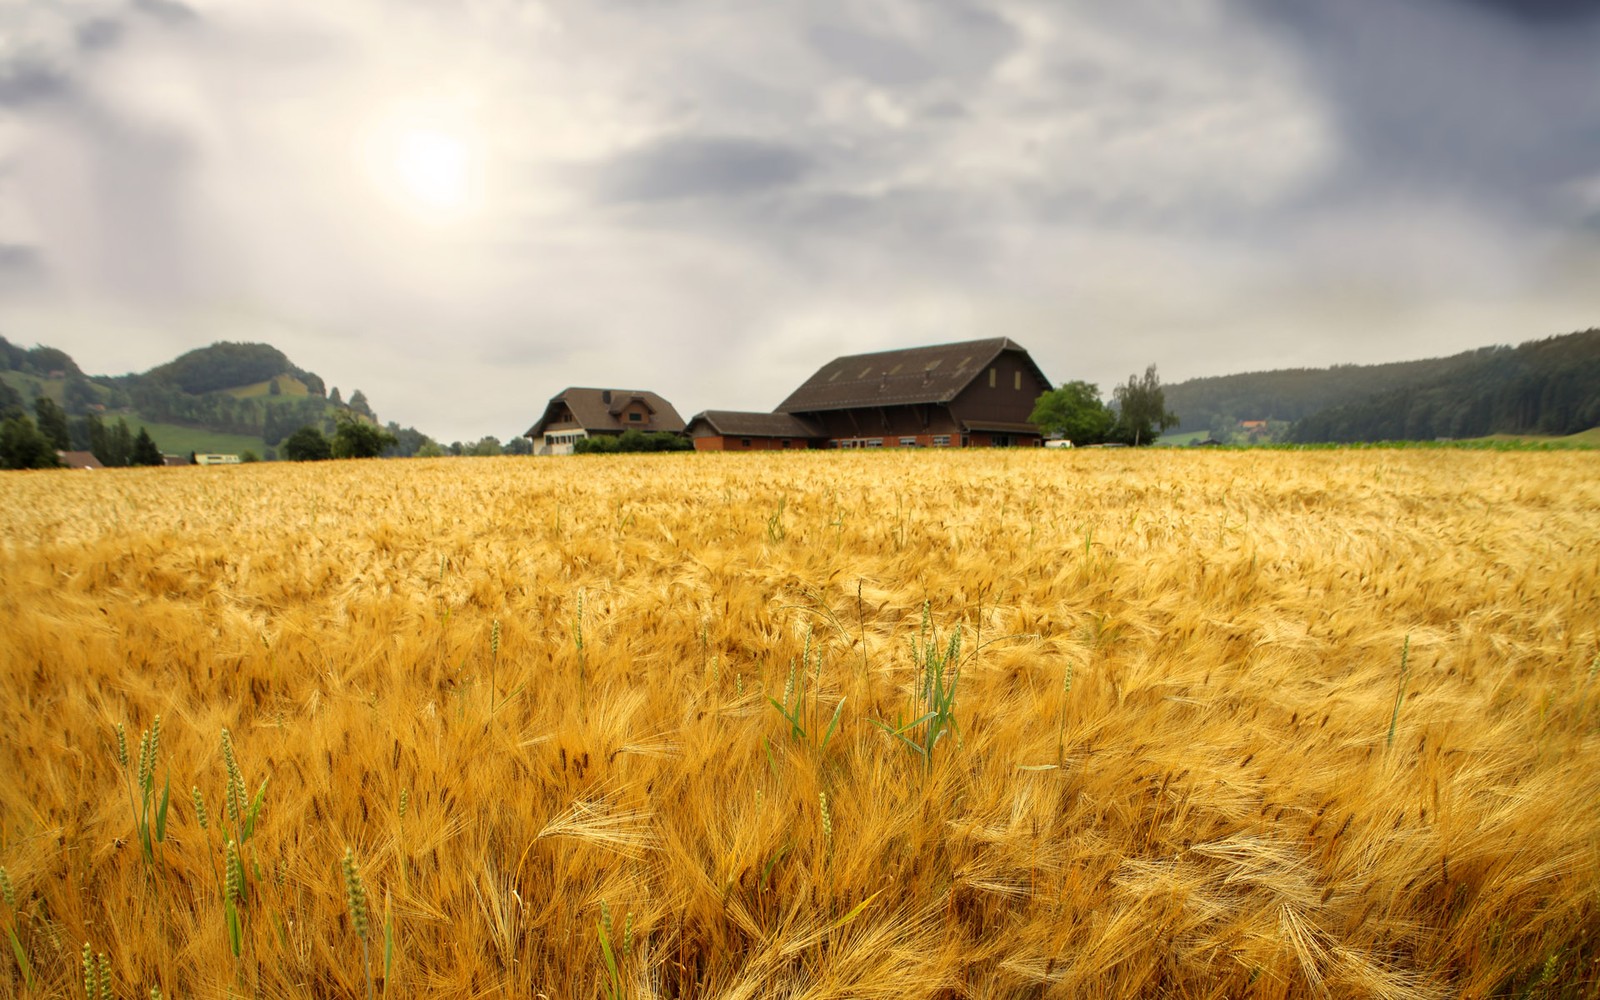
[(576, 413), (977, 393)]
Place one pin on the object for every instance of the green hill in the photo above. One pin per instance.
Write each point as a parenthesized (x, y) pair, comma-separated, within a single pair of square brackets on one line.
[(1545, 387), (1290, 394), (228, 397), (224, 366), (1540, 387)]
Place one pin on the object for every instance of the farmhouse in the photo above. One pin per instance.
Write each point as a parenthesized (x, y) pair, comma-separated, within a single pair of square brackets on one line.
[(977, 393), (970, 394), (576, 413)]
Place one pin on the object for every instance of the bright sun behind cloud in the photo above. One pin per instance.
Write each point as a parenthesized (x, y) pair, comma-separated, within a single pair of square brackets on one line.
[(435, 168), (425, 163)]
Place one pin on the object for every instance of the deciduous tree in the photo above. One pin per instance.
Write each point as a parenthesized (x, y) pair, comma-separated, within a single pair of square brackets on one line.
[(1075, 411), (1142, 409), (23, 447), (307, 445), (356, 439)]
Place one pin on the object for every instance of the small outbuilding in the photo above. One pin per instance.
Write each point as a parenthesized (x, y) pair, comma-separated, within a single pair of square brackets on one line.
[(739, 430)]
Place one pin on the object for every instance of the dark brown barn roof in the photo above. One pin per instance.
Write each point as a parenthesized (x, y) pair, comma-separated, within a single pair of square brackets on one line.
[(900, 378), (738, 423), (593, 411)]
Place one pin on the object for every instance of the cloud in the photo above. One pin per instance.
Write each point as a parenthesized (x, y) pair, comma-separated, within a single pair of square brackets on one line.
[(1501, 105), (710, 200), (26, 82), (694, 166)]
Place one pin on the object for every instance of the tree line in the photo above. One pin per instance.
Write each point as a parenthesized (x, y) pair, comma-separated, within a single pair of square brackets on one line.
[(33, 443), (1546, 387)]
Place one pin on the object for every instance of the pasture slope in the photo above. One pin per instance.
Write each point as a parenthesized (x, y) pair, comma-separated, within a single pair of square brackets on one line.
[(1232, 724)]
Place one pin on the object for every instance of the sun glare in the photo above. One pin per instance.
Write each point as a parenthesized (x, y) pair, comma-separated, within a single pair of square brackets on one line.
[(435, 168), (425, 162)]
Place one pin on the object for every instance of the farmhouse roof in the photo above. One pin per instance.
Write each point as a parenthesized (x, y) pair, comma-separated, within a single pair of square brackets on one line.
[(740, 423), (79, 460), (598, 410), (910, 376)]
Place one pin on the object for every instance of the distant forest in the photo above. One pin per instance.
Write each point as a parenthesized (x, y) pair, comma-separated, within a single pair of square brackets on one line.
[(1541, 387), (1549, 386)]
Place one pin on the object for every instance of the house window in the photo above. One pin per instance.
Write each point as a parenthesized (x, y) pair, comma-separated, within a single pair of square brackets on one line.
[(1016, 380), (991, 378), (908, 442), (941, 440)]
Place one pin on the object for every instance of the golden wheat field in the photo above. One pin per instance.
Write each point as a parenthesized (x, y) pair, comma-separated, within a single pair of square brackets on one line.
[(1025, 724)]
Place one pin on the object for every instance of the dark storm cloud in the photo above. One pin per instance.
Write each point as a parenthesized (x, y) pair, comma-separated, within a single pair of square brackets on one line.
[(1542, 12), (695, 167), (1483, 97)]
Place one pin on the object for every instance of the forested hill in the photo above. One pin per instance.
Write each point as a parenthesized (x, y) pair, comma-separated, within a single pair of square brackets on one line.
[(1547, 386), (1289, 394), (225, 397), (1325, 401), (227, 366)]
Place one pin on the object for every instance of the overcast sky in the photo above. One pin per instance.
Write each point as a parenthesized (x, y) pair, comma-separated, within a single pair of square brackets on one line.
[(462, 207)]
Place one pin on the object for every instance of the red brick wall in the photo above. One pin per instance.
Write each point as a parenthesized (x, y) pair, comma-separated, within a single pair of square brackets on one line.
[(728, 443)]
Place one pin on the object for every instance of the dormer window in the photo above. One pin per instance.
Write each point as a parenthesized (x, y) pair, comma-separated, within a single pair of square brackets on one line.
[(635, 417)]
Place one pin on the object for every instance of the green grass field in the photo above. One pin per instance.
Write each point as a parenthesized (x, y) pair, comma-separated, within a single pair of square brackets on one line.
[(31, 385), (288, 387), (175, 440)]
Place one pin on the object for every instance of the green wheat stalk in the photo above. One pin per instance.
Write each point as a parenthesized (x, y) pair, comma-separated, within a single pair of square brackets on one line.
[(1400, 695), (355, 894), (9, 893)]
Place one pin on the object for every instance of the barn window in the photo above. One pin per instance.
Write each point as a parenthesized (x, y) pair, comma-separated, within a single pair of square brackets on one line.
[(991, 378), (874, 442), (1016, 380), (786, 442), (941, 440), (908, 442), (744, 442)]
